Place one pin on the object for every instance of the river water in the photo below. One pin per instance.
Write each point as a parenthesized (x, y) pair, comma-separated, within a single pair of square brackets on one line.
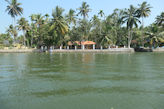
[(81, 81)]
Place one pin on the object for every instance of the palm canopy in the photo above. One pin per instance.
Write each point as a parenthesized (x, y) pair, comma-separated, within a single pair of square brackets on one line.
[(84, 10), (58, 22), (160, 19), (101, 13), (12, 30), (33, 17), (155, 38), (57, 13), (38, 19), (14, 8), (71, 17), (95, 21), (130, 17), (144, 9), (117, 16), (23, 24)]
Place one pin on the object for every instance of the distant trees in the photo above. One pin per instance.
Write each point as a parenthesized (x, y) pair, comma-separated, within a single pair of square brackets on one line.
[(120, 28), (5, 39)]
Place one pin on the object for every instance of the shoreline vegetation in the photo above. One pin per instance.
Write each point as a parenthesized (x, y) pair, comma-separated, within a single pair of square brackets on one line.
[(122, 28)]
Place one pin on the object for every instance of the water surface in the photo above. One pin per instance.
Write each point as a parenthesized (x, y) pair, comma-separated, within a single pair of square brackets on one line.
[(81, 81)]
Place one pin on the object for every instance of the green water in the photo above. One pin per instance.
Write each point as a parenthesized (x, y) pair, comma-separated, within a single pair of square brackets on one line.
[(82, 81)]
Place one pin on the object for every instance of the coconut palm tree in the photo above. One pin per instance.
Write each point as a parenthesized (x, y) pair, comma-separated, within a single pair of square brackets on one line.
[(84, 10), (95, 21), (33, 17), (58, 23), (14, 8), (101, 13), (13, 32), (39, 19), (58, 13), (160, 19), (154, 36), (33, 31), (143, 12), (71, 17), (131, 19), (47, 19), (24, 26), (154, 39)]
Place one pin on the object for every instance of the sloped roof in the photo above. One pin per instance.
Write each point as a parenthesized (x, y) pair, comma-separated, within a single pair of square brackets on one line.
[(88, 43), (81, 43)]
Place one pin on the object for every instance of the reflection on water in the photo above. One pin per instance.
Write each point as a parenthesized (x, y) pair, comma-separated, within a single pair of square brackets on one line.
[(81, 81)]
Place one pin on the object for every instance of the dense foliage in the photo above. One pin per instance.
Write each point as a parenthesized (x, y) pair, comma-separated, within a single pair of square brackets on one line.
[(124, 27)]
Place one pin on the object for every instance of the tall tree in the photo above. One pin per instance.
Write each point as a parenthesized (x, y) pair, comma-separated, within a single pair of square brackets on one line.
[(116, 29), (71, 17), (101, 13), (143, 12), (160, 19), (84, 10), (14, 8), (13, 32), (131, 19), (95, 28), (58, 24), (24, 26)]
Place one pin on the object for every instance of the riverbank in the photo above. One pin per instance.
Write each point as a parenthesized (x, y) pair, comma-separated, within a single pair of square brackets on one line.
[(131, 50), (68, 51), (158, 50), (19, 50), (112, 50)]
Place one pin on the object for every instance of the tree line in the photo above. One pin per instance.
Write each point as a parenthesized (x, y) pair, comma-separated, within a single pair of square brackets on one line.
[(124, 27)]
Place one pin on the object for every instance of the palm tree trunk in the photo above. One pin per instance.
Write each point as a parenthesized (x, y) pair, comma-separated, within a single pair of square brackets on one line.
[(14, 22), (129, 37), (24, 41), (100, 28), (142, 31), (31, 41), (14, 28)]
